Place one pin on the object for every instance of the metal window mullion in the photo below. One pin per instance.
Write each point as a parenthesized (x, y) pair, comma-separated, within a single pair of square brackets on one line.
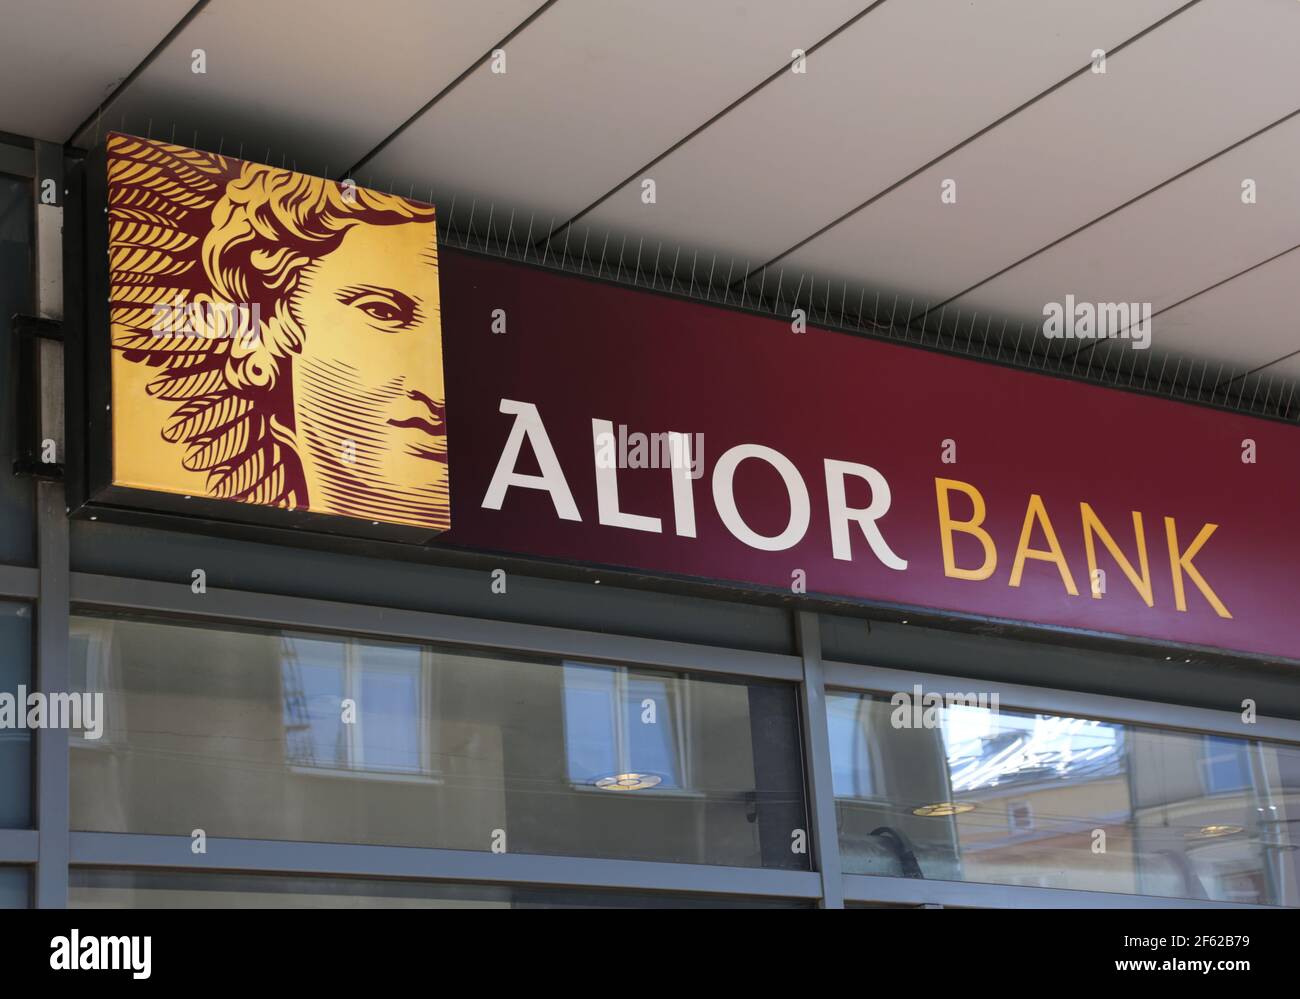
[(817, 754), (18, 582), (683, 732), (51, 784), (429, 734), (19, 846), (622, 736), (143, 851), (1262, 794), (352, 691), (892, 890)]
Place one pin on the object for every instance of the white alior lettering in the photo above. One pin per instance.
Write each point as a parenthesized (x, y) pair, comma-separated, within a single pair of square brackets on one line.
[(683, 484), (602, 437), (841, 513), (724, 499), (528, 423)]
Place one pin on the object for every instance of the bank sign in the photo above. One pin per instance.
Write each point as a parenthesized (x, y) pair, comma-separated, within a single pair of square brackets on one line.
[(302, 380), (600, 424)]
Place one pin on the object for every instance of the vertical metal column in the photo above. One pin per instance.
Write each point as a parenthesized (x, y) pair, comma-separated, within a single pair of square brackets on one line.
[(817, 750), (781, 799), (52, 674)]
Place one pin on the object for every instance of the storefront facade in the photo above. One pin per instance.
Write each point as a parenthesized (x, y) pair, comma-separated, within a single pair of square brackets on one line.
[(551, 711)]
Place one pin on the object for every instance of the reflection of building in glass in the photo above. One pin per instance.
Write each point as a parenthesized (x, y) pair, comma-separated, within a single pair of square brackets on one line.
[(1031, 799), (322, 678), (445, 750), (617, 723), (1042, 784)]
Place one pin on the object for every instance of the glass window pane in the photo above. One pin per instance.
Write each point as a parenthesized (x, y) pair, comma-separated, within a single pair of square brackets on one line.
[(964, 791), (312, 684), (17, 510), (621, 725), (391, 739), (95, 888), (267, 735), (15, 743), (15, 888), (590, 722), (1276, 768), (652, 732), (1227, 764)]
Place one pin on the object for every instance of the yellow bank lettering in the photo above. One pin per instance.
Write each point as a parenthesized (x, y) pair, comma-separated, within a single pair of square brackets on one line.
[(972, 527), (1093, 527), (1182, 563), (1036, 512), (1036, 521)]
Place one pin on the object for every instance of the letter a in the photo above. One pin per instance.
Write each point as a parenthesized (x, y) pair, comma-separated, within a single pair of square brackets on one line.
[(1035, 511), (528, 423)]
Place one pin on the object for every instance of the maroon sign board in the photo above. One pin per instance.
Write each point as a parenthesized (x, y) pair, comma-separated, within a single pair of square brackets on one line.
[(599, 424)]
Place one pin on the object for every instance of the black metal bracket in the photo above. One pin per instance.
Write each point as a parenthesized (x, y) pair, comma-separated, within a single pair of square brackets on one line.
[(35, 326), (27, 332)]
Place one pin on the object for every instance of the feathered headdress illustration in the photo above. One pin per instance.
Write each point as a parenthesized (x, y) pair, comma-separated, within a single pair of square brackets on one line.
[(171, 313)]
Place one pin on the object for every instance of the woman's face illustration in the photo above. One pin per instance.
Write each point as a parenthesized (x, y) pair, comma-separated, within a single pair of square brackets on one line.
[(367, 386)]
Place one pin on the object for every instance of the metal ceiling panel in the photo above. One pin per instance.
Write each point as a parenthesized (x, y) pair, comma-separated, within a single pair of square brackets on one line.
[(907, 82), (1286, 368), (1250, 319), (1205, 80), (316, 84), (592, 90), (1170, 245), (60, 58)]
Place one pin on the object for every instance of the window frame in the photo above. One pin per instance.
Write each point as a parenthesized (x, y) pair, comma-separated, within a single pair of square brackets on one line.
[(1202, 722), (353, 674), (824, 884), (679, 711), (95, 595)]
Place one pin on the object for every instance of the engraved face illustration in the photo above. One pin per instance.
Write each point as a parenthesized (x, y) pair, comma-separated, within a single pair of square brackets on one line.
[(367, 385), (277, 338)]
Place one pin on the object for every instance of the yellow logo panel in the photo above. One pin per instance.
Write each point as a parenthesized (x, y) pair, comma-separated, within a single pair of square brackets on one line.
[(276, 338)]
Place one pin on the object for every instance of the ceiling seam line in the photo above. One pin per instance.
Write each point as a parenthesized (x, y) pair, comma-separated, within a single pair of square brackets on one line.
[(968, 140), (1196, 294), (144, 64), (1119, 208), (384, 143), (1262, 367), (766, 81)]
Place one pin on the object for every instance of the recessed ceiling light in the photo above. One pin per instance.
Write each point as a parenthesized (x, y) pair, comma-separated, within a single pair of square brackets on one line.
[(1214, 832), (942, 808), (628, 782)]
